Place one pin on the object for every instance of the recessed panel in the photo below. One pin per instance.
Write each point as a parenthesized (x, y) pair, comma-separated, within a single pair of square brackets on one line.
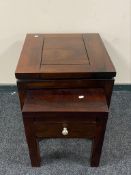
[(64, 51)]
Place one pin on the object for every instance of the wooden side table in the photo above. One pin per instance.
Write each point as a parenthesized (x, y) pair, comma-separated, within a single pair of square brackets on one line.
[(65, 84)]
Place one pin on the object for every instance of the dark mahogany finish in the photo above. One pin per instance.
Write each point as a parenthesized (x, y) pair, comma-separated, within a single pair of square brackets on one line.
[(64, 56), (52, 72), (65, 100)]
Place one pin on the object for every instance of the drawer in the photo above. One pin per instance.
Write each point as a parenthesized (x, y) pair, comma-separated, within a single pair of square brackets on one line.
[(62, 130)]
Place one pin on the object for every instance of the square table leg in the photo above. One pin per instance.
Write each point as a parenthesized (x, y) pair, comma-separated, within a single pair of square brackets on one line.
[(32, 142), (97, 144)]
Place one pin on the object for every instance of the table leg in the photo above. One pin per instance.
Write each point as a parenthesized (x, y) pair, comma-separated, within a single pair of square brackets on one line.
[(32, 142), (97, 144)]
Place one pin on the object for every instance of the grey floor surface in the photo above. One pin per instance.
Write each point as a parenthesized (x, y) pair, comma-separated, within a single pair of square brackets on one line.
[(61, 156)]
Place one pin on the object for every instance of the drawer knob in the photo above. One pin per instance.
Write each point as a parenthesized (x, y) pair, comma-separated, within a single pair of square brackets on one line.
[(65, 131)]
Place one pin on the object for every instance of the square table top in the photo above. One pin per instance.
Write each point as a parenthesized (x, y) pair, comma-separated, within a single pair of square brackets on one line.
[(53, 56)]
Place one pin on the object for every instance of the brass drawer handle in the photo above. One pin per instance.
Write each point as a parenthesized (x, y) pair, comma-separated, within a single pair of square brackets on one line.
[(65, 131)]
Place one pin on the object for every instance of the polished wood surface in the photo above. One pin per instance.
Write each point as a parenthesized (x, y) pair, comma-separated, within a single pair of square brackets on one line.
[(52, 72), (68, 111), (75, 130), (64, 51), (32, 142), (25, 85), (47, 56), (65, 100)]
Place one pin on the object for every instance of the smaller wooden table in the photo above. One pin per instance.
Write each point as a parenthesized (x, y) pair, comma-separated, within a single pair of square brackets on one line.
[(65, 83)]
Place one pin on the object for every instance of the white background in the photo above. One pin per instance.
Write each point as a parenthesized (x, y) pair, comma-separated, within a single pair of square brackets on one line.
[(110, 18)]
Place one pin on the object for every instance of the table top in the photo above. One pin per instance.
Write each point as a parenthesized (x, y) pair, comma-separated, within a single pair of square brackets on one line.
[(56, 56)]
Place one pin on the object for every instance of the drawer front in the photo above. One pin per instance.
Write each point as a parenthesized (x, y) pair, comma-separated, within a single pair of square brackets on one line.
[(62, 130)]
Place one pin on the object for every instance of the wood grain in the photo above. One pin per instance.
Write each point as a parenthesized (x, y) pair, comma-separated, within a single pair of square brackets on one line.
[(54, 130), (30, 58), (65, 100), (52, 72), (64, 56)]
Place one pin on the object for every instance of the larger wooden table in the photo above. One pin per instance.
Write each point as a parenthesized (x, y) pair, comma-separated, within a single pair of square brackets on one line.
[(65, 83)]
